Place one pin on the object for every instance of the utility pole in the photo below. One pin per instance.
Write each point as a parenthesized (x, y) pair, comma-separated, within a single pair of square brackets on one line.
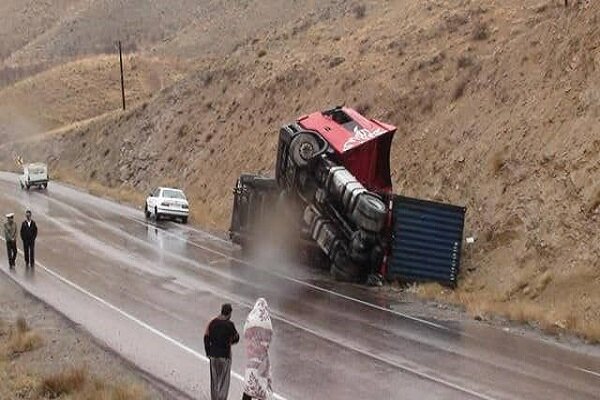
[(122, 79)]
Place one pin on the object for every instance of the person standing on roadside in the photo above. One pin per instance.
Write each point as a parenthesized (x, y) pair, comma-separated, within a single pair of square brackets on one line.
[(10, 235), (29, 233), (220, 335)]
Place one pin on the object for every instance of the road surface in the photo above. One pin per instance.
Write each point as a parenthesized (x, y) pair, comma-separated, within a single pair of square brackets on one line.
[(147, 290)]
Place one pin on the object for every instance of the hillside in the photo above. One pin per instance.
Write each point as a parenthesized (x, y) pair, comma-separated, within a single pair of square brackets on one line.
[(496, 104), (76, 28), (38, 34), (22, 21), (79, 91)]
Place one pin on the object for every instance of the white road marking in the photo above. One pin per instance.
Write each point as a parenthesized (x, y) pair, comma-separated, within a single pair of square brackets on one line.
[(218, 261), (407, 368), (596, 374), (137, 321)]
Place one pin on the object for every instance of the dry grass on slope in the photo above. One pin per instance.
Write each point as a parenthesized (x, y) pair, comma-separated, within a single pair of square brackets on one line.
[(556, 319), (123, 193), (89, 28), (78, 91), (78, 384), (18, 340), (22, 21)]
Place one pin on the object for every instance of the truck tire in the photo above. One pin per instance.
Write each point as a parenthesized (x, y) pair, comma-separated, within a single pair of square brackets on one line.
[(146, 211), (370, 213), (303, 148), (345, 275), (184, 220), (156, 214), (344, 270), (359, 249), (376, 256)]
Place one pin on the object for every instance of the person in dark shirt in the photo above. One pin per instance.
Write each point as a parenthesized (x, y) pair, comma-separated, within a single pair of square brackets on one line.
[(220, 335), (29, 233)]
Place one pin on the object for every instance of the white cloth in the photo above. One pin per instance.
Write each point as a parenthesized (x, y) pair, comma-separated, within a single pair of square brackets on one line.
[(258, 332)]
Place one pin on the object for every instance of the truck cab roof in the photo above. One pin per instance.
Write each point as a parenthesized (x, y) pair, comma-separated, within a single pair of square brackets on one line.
[(362, 145), (344, 128)]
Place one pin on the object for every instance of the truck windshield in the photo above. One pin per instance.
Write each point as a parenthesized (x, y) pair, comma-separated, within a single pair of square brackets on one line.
[(173, 194)]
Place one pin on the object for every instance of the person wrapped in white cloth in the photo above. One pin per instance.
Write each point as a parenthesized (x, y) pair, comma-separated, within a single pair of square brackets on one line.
[(258, 333)]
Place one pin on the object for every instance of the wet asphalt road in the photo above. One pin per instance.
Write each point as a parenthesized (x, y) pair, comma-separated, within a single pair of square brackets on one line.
[(147, 290)]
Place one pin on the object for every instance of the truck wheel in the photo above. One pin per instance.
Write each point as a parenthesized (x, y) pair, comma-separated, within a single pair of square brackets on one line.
[(146, 211), (45, 186), (27, 186), (156, 214), (344, 270), (303, 148), (370, 213), (184, 220), (359, 248), (351, 275), (377, 255)]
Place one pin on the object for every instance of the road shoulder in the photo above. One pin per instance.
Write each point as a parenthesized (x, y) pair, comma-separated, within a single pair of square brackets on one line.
[(62, 346)]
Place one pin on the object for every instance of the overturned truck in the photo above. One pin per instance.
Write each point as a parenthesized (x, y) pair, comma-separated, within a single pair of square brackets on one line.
[(333, 191)]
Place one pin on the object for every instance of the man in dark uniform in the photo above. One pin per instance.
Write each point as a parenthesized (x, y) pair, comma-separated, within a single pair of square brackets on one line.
[(219, 337), (10, 235), (28, 235)]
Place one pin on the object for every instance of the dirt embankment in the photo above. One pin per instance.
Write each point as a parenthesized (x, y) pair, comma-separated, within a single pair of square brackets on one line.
[(497, 105)]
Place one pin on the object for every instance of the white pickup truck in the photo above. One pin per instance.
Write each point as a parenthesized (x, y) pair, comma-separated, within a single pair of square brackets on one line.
[(34, 175)]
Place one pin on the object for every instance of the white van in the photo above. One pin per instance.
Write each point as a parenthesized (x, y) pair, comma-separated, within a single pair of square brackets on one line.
[(34, 175)]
